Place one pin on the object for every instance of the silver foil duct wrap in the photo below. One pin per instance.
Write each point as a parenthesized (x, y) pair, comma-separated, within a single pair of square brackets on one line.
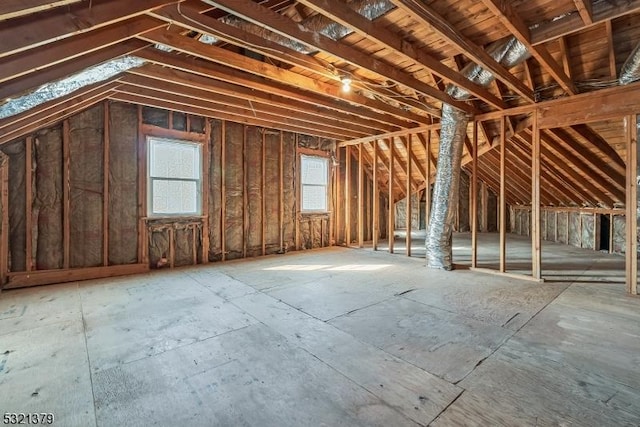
[(317, 23), (60, 88), (509, 53), (631, 69)]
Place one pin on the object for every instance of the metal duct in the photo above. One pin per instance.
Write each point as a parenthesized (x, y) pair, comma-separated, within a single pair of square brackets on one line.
[(60, 88), (508, 53), (317, 23), (631, 69)]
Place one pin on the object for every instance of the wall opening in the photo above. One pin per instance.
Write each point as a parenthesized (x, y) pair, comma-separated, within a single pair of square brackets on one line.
[(605, 237)]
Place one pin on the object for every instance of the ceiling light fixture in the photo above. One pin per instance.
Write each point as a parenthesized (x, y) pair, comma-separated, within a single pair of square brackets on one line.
[(346, 84)]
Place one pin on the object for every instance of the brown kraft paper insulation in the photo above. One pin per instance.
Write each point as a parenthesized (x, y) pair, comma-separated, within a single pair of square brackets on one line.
[(123, 184), (234, 215), (215, 192), (48, 199), (17, 201), (86, 187)]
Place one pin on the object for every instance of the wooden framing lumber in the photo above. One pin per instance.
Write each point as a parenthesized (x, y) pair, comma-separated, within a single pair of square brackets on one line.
[(206, 184), (70, 48), (45, 277), (28, 203), (474, 198), (66, 205), (4, 230), (344, 15), (299, 81), (375, 220), (347, 197), (519, 29), (10, 9), (536, 249), (391, 215), (223, 190), (409, 193), (502, 198), (67, 22), (315, 94), (275, 22), (106, 138), (631, 203), (429, 18), (360, 196)]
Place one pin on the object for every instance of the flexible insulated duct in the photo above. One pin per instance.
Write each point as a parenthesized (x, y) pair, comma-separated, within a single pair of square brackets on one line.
[(508, 53), (631, 69), (317, 23)]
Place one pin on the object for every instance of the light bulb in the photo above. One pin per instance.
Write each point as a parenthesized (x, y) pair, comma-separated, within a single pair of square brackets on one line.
[(346, 84)]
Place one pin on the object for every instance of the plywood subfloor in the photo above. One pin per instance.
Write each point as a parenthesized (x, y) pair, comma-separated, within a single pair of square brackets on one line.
[(329, 337)]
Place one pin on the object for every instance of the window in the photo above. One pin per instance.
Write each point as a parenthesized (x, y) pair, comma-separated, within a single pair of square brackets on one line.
[(314, 173), (175, 170)]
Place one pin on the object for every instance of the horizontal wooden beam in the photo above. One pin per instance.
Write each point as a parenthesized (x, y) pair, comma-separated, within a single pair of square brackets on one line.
[(10, 9), (403, 132), (604, 104), (316, 114), (21, 85), (588, 107), (46, 277), (198, 67), (514, 23), (16, 126), (267, 18), (292, 79), (159, 101), (425, 15), (602, 11), (24, 34), (70, 48), (345, 15), (138, 85)]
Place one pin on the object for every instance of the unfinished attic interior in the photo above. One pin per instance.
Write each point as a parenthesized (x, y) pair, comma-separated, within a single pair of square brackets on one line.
[(313, 212)]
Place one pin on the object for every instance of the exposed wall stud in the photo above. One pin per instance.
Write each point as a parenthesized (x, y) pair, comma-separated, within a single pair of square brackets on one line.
[(391, 216), (360, 197), (474, 198), (409, 191), (503, 192), (536, 249), (631, 251), (29, 203), (105, 186), (223, 190), (205, 190), (66, 229), (347, 197), (375, 220)]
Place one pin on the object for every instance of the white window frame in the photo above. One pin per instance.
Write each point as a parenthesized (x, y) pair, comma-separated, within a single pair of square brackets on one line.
[(326, 185), (150, 178)]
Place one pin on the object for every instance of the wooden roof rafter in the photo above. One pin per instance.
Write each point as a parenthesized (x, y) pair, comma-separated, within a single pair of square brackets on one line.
[(272, 72), (16, 9), (428, 17), (601, 12), (246, 9), (518, 28), (199, 67), (189, 16), (344, 15), (314, 114), (62, 23)]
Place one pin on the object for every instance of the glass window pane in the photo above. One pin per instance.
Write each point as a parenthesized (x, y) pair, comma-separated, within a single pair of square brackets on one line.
[(314, 198), (171, 197), (171, 159), (314, 170)]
